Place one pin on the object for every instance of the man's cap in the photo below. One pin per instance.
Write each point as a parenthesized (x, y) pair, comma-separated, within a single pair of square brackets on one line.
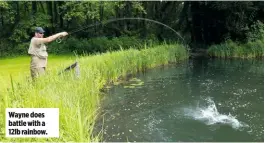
[(39, 30)]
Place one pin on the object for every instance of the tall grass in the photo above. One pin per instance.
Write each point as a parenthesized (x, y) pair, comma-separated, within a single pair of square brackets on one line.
[(231, 49), (80, 46), (78, 98)]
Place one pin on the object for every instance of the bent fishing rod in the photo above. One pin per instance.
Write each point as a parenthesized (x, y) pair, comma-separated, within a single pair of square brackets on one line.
[(59, 40)]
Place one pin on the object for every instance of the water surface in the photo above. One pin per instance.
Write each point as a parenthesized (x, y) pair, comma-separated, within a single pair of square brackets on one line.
[(198, 100)]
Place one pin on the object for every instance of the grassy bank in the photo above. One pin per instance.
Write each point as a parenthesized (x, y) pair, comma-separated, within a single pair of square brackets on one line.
[(231, 49), (77, 98)]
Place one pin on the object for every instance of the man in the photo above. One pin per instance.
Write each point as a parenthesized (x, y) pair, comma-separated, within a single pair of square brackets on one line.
[(37, 50)]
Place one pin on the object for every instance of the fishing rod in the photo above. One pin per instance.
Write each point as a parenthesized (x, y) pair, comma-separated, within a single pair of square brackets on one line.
[(59, 40)]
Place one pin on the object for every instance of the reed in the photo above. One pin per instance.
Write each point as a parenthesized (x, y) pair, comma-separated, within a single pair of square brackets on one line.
[(231, 49)]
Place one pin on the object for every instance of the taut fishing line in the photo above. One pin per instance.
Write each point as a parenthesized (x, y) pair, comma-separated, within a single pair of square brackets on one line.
[(119, 19)]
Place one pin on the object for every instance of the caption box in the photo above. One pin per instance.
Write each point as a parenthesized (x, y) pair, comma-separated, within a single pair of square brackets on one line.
[(32, 122)]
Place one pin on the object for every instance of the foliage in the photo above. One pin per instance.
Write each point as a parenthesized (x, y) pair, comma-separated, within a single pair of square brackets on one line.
[(216, 22), (256, 31), (3, 5), (20, 32), (80, 11), (200, 23)]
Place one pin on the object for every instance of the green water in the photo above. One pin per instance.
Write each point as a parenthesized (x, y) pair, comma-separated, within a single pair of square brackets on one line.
[(198, 100)]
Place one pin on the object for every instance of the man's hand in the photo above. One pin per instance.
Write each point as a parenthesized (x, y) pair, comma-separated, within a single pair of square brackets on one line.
[(64, 34)]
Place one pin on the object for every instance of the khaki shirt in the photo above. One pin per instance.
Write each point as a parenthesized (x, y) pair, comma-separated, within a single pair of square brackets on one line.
[(38, 53)]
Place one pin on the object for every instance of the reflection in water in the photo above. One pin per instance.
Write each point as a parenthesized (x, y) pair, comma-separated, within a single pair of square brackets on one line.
[(198, 100)]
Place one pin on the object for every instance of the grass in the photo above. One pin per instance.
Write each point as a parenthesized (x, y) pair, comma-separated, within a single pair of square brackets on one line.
[(231, 49), (18, 67), (78, 98)]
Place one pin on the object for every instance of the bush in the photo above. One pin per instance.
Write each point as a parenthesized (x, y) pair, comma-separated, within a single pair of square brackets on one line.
[(99, 45), (256, 32), (7, 48)]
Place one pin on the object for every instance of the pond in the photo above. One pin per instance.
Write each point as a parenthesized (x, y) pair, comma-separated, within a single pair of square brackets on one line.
[(198, 100)]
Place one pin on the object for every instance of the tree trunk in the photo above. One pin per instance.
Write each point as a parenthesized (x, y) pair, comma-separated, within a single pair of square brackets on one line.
[(128, 13), (18, 12), (144, 25), (157, 7), (183, 17), (55, 14), (42, 7), (101, 10), (34, 11), (118, 23), (50, 12), (196, 25), (2, 19), (60, 3), (26, 8)]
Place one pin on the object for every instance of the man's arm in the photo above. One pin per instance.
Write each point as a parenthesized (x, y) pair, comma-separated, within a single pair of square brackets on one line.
[(50, 38)]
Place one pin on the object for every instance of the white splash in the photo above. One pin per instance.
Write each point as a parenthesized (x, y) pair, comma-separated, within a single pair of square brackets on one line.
[(210, 115)]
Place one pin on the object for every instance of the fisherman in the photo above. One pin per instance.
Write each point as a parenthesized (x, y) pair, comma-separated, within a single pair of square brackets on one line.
[(37, 50)]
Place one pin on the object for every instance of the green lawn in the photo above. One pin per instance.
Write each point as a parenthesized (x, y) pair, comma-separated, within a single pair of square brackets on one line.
[(18, 67)]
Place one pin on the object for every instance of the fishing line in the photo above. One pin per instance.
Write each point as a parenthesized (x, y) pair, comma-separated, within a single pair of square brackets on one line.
[(119, 19), (59, 40)]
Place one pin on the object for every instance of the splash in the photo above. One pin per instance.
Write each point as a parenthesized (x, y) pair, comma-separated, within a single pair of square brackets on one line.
[(209, 115)]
